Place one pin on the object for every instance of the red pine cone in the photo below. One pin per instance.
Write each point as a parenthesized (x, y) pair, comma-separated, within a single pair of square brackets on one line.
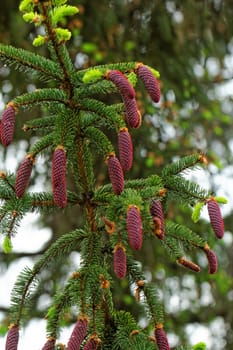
[(161, 338), (122, 83), (115, 174), (150, 82), (92, 343), (78, 334), (23, 175), (8, 125), (134, 227), (12, 338), (156, 211), (119, 259), (216, 219), (132, 114), (212, 259), (50, 344), (125, 147), (189, 264), (59, 177)]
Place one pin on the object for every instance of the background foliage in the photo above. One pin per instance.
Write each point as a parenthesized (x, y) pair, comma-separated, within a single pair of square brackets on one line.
[(191, 44)]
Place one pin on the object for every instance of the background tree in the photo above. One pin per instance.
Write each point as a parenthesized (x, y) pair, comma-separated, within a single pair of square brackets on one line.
[(190, 44)]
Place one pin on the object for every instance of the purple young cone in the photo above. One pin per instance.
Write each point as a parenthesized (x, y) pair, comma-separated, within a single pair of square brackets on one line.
[(119, 261), (115, 174), (125, 147), (134, 227), (78, 334), (122, 83), (12, 338), (212, 260), (216, 219), (161, 338), (50, 344), (23, 175), (7, 125), (59, 177), (150, 82), (156, 211)]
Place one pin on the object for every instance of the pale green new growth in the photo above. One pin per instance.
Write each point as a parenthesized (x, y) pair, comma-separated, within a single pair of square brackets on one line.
[(197, 211)]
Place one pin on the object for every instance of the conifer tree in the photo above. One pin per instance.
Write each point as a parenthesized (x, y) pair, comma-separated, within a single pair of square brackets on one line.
[(118, 216)]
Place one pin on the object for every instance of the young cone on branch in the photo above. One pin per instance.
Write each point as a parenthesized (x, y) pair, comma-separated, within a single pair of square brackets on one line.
[(189, 264), (161, 337), (7, 125), (134, 227), (125, 147), (12, 338), (212, 259), (59, 176), (150, 82), (23, 175), (132, 114), (216, 219), (78, 334), (122, 83), (115, 173), (119, 259), (156, 211), (50, 344), (92, 343)]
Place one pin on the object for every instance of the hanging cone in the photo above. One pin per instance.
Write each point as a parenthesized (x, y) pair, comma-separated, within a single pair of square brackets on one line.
[(50, 344), (212, 259), (156, 211), (216, 219), (119, 258), (23, 175), (115, 173), (59, 177), (134, 227), (122, 83), (79, 333), (149, 80), (125, 147), (161, 337), (12, 338), (8, 125)]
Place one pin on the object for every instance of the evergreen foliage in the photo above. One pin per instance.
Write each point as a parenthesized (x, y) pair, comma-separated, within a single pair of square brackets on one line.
[(78, 118)]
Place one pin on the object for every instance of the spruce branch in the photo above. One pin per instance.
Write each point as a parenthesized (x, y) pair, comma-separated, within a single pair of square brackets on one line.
[(30, 62), (58, 48), (41, 96), (184, 234), (27, 280), (181, 165), (184, 190)]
